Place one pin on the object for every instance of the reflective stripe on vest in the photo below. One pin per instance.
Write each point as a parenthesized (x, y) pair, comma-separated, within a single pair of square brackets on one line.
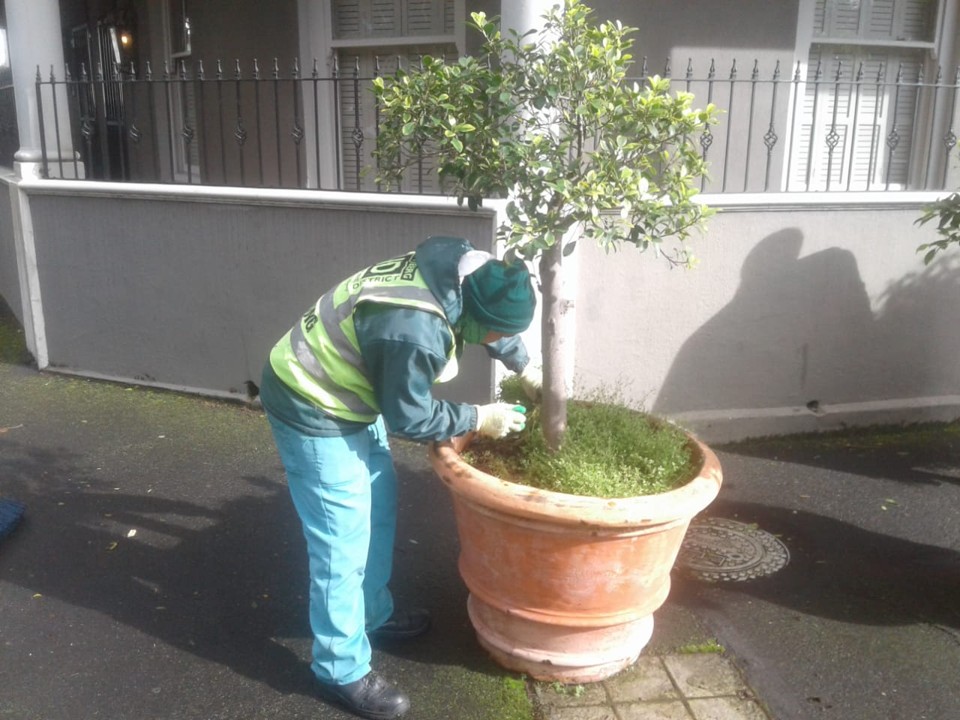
[(320, 356)]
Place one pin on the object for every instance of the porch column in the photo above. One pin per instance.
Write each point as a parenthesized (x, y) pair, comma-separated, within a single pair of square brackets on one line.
[(524, 15), (35, 40)]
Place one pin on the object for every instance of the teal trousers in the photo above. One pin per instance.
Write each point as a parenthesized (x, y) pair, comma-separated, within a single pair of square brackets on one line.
[(344, 489)]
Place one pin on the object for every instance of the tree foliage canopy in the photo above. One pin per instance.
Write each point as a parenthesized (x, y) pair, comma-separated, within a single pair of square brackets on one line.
[(550, 121)]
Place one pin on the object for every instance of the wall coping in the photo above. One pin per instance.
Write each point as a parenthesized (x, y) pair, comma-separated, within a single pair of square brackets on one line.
[(392, 202)]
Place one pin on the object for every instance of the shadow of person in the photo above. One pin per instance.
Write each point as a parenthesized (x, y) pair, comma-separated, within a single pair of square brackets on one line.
[(843, 572), (793, 333)]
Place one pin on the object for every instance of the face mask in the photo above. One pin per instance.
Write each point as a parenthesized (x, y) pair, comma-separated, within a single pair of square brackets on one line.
[(471, 331)]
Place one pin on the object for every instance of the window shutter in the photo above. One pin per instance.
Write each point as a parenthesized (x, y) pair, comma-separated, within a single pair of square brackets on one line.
[(346, 19), (880, 20), (358, 118), (392, 18), (892, 20), (385, 18), (918, 21)]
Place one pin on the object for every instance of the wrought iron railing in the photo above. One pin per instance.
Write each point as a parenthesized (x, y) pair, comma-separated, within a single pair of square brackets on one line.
[(832, 126)]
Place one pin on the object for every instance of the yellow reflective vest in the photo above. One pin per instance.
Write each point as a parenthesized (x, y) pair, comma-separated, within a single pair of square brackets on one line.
[(320, 357)]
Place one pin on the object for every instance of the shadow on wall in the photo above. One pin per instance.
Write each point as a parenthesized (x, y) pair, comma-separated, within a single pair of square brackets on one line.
[(801, 331)]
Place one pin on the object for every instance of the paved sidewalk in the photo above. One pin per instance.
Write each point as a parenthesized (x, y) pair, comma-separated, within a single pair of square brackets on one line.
[(665, 687), (159, 574)]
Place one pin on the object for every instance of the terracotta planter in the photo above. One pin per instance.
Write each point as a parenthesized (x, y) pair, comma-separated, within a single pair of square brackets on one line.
[(564, 587)]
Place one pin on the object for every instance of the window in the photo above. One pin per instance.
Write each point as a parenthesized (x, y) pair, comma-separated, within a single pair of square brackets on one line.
[(371, 37), (179, 19), (862, 116), (183, 105)]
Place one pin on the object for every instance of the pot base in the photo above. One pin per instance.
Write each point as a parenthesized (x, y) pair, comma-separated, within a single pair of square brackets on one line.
[(568, 655)]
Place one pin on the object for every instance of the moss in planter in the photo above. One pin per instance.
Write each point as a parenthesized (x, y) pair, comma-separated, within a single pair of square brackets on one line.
[(609, 451)]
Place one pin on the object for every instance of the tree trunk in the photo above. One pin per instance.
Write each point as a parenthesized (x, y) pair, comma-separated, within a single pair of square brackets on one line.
[(555, 307)]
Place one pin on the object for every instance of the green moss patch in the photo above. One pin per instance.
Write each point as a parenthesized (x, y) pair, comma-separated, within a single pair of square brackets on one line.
[(609, 451), (13, 346)]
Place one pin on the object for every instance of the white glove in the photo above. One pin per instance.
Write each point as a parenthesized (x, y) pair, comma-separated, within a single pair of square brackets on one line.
[(531, 379), (497, 419)]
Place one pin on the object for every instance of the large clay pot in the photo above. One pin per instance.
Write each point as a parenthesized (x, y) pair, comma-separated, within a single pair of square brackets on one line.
[(563, 587)]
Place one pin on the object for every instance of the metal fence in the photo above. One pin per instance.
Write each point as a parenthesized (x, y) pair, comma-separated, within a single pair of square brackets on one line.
[(833, 125)]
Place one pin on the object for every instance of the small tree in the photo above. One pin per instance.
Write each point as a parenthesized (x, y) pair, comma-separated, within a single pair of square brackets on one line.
[(947, 214), (549, 121)]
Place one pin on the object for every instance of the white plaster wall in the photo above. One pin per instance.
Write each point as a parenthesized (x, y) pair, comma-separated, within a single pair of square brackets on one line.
[(796, 318), (9, 275)]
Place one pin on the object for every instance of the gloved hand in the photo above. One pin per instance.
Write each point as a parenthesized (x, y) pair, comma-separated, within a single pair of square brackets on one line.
[(531, 380), (497, 419)]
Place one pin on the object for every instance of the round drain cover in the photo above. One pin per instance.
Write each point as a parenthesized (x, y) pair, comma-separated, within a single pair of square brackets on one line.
[(717, 549)]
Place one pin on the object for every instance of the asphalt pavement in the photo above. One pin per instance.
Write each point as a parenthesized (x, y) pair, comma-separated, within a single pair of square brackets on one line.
[(159, 572)]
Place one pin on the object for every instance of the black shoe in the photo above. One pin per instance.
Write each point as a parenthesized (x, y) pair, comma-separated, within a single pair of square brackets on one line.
[(369, 697), (402, 625)]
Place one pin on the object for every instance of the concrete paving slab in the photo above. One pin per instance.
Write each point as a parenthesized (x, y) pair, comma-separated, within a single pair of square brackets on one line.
[(706, 675), (654, 711), (647, 681), (726, 709), (579, 712)]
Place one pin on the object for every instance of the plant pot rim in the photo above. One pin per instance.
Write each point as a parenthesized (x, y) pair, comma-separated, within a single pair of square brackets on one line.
[(512, 498)]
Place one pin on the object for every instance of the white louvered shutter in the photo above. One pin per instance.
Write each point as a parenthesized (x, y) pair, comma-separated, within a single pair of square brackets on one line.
[(869, 124), (393, 21)]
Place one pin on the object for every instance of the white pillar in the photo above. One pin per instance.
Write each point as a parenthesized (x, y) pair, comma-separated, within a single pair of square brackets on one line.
[(36, 41), (315, 39), (523, 15)]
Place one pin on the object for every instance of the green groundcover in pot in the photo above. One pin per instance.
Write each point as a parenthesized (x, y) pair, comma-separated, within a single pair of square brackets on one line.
[(609, 451)]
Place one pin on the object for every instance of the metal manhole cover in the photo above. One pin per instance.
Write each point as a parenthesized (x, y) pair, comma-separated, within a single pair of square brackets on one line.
[(717, 549)]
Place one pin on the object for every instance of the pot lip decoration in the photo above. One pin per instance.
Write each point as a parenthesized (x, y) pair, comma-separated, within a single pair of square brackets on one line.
[(478, 487)]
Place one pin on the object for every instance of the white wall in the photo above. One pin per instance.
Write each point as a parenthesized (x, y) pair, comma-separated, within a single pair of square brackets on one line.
[(806, 312), (189, 288), (798, 317), (9, 275)]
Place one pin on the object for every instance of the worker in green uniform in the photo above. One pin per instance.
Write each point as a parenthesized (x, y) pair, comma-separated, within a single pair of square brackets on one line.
[(360, 363)]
